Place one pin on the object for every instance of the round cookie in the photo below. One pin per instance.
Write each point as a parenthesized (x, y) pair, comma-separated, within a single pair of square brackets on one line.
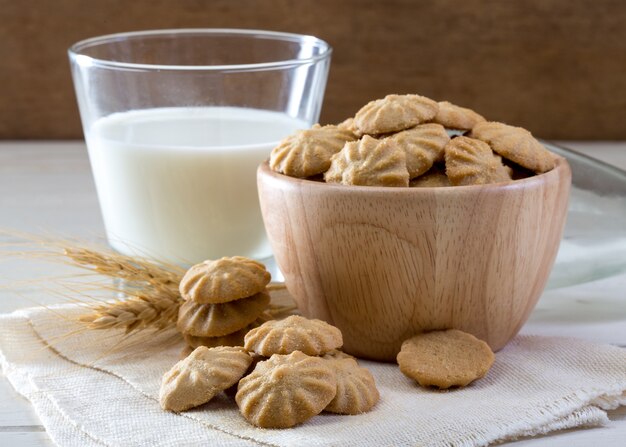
[(294, 333), (472, 162), (307, 152), (201, 375), (356, 388), (424, 145), (515, 144), (452, 116), (286, 390), (394, 113), (224, 280), (216, 320), (445, 358), (369, 162)]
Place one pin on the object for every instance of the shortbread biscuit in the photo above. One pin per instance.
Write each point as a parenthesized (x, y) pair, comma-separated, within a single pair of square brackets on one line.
[(423, 145), (205, 372), (356, 388), (294, 333), (472, 162), (394, 113), (452, 116), (286, 390), (369, 162), (435, 178), (234, 339), (216, 320), (307, 152), (445, 358), (515, 144), (224, 280)]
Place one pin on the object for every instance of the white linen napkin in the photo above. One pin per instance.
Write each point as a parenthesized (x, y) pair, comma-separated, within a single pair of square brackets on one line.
[(95, 388)]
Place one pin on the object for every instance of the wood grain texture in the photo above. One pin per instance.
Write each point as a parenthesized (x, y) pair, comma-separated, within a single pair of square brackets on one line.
[(385, 263), (554, 66)]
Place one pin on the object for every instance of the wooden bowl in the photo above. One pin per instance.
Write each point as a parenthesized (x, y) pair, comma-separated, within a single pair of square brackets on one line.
[(383, 264)]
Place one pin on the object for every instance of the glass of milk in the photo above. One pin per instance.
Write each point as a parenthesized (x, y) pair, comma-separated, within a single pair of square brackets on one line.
[(176, 123)]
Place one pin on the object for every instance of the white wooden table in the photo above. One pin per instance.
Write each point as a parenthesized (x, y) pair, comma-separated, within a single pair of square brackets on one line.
[(46, 187)]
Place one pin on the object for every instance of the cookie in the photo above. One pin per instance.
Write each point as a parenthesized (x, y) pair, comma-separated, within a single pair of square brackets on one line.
[(308, 152), (472, 162), (224, 280), (233, 339), (452, 116), (445, 358), (515, 144), (294, 333), (286, 390), (356, 388), (435, 178), (369, 162), (423, 145), (394, 113), (196, 379), (216, 320)]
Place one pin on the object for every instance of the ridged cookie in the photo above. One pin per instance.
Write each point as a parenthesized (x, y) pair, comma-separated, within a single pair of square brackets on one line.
[(515, 144), (356, 388), (216, 320), (205, 372), (452, 116), (394, 113), (286, 390), (472, 162), (224, 280), (294, 333), (369, 162), (423, 145), (307, 152)]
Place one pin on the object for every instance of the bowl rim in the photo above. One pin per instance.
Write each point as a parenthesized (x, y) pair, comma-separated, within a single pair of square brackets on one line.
[(561, 168)]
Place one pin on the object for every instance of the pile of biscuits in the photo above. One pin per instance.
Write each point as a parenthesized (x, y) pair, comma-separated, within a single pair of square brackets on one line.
[(411, 140), (287, 372), (223, 300)]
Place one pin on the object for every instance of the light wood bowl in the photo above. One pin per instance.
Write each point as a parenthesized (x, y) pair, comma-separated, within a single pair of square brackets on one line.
[(383, 264)]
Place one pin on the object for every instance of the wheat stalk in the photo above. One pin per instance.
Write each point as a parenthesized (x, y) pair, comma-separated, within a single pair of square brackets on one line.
[(115, 265), (140, 311)]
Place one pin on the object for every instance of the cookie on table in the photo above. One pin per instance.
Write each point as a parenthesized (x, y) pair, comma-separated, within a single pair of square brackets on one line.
[(286, 390), (452, 116), (294, 333), (423, 145), (356, 388), (369, 162), (197, 378), (307, 153), (224, 280), (445, 358), (394, 113), (472, 162), (515, 144), (216, 320)]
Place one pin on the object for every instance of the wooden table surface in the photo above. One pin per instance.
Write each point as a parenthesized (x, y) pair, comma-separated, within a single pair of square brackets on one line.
[(46, 187)]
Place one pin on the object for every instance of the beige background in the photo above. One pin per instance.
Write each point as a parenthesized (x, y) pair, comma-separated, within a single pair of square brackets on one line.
[(557, 67)]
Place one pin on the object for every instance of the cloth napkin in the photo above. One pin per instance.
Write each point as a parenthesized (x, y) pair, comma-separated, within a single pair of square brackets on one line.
[(99, 388)]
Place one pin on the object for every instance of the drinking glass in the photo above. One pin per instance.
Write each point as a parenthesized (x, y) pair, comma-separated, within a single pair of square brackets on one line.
[(176, 123)]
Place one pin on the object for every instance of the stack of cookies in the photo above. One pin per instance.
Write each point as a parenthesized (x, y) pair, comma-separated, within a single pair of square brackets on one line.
[(287, 372), (411, 140), (223, 300)]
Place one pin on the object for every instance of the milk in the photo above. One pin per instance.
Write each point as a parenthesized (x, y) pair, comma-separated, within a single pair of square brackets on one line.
[(179, 184)]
